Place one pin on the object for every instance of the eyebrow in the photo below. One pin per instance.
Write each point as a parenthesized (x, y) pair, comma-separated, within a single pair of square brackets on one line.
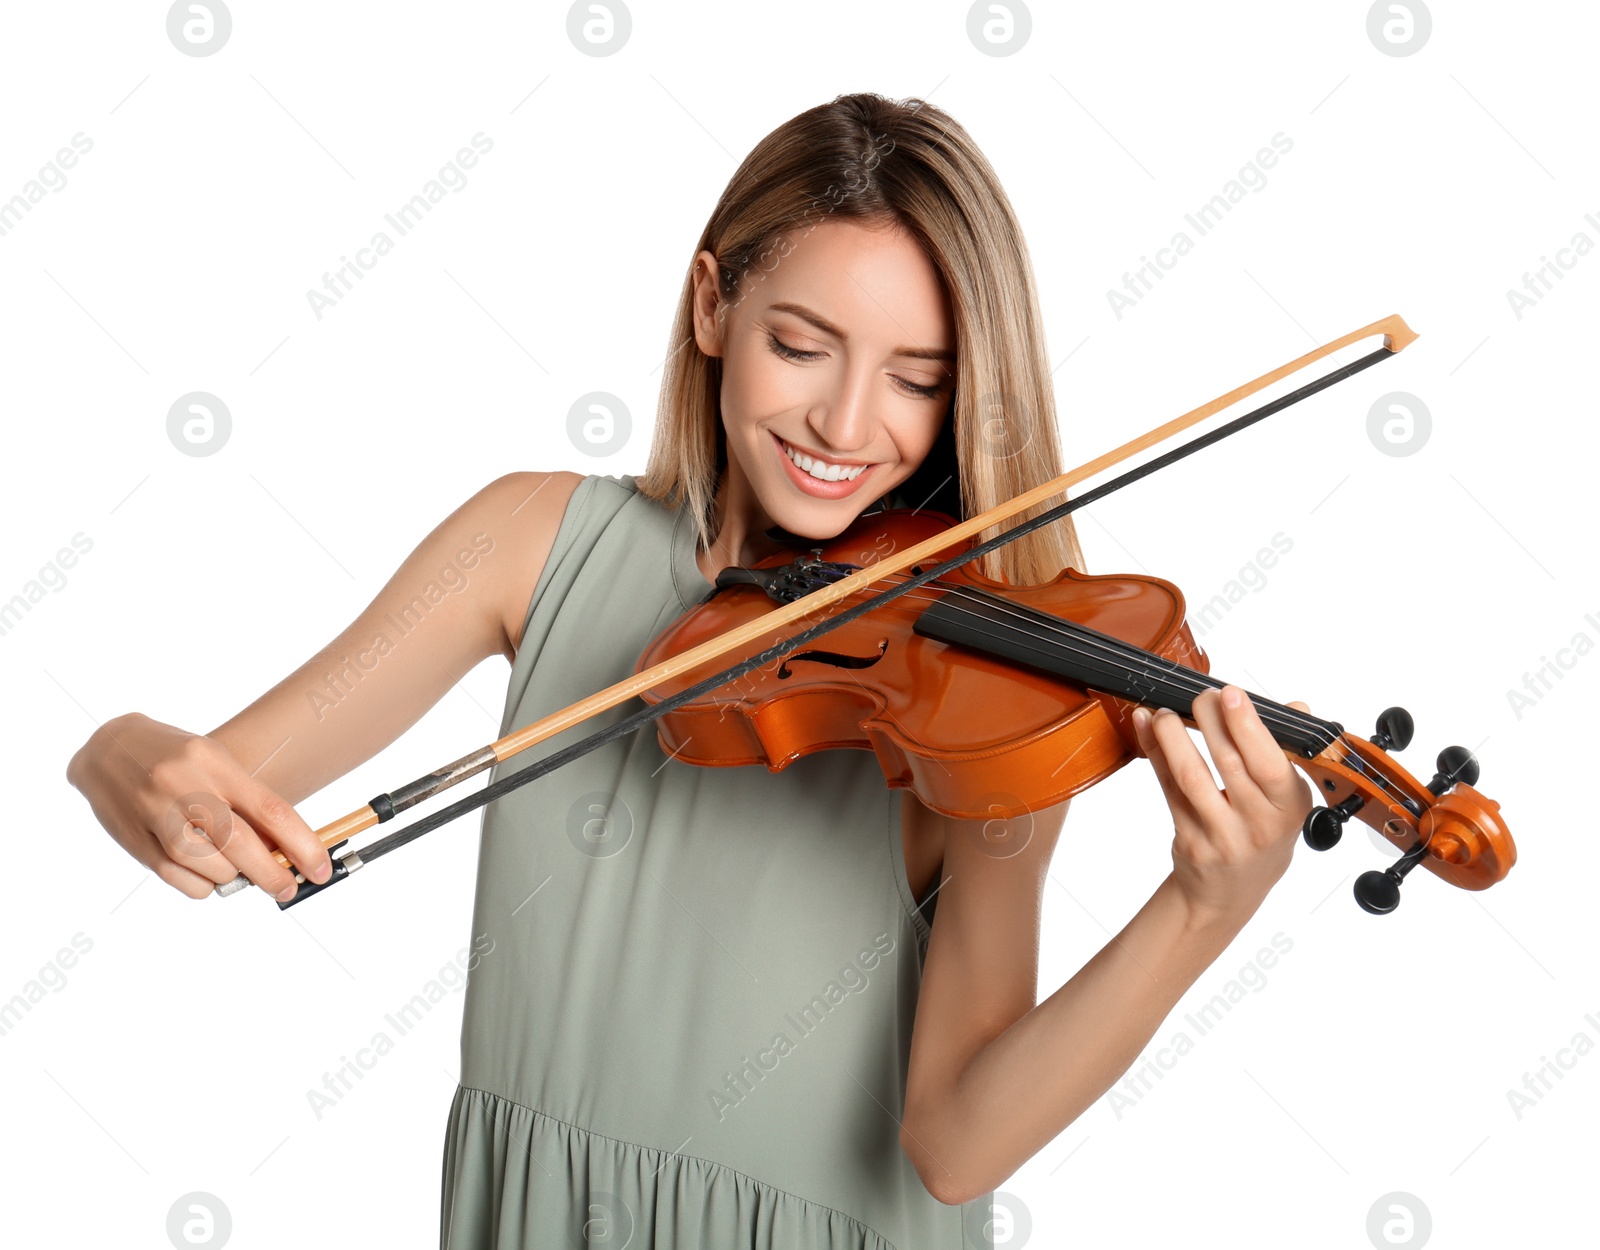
[(823, 324)]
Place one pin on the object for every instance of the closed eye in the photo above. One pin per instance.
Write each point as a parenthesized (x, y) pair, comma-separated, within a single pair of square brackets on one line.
[(787, 352), (794, 353)]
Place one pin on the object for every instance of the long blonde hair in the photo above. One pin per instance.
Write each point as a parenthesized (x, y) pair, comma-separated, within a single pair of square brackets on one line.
[(908, 164)]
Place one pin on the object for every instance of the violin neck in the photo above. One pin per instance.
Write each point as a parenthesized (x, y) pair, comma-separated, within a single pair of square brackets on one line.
[(985, 622)]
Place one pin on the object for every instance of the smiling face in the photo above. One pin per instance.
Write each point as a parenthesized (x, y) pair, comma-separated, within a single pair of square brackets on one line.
[(838, 368)]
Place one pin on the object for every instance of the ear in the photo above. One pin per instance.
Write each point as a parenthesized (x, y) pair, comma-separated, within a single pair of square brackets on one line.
[(707, 316)]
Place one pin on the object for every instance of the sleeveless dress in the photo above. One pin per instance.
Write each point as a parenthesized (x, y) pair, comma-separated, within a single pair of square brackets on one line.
[(689, 1023)]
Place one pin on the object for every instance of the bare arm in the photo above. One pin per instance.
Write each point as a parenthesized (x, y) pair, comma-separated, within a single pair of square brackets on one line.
[(994, 1078), (460, 596)]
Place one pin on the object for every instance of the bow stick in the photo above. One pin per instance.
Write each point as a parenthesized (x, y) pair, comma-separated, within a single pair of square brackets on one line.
[(1396, 337)]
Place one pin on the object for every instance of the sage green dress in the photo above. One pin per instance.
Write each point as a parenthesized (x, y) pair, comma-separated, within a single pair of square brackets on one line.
[(689, 1025)]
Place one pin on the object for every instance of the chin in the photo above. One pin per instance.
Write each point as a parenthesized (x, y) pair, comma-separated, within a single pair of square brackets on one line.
[(818, 518)]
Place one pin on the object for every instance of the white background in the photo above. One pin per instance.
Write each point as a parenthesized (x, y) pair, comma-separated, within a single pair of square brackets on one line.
[(219, 189)]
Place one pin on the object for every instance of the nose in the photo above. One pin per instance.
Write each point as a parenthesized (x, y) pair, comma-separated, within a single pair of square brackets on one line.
[(845, 421)]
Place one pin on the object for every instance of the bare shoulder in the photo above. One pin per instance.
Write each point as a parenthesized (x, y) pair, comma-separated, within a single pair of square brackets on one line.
[(519, 515)]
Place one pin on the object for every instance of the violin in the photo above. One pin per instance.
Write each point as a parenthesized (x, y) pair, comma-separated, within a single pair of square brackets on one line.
[(984, 699), (988, 700)]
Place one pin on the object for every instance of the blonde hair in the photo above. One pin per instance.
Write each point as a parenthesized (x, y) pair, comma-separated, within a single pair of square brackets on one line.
[(909, 165)]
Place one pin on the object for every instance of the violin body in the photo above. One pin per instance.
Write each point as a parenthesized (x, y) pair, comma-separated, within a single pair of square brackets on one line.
[(989, 700), (971, 735)]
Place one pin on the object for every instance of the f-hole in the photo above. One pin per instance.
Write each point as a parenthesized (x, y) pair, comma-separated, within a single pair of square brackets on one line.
[(836, 658)]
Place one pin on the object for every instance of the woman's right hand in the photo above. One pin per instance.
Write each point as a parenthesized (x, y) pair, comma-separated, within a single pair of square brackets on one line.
[(185, 805), (186, 809)]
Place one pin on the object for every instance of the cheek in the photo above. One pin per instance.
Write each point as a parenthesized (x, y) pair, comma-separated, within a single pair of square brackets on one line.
[(757, 384), (916, 436)]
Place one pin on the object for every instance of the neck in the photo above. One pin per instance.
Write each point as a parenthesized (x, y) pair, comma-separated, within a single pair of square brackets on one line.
[(740, 525)]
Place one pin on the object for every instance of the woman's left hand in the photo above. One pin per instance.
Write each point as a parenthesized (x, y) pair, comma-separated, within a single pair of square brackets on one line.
[(1230, 844)]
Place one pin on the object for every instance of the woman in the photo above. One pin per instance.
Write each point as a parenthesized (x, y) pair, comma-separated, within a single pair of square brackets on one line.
[(728, 1007)]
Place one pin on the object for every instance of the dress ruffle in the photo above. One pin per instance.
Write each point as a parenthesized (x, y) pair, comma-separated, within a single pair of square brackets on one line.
[(517, 1179)]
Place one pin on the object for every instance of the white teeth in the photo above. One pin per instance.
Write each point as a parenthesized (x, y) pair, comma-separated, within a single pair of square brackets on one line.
[(823, 471)]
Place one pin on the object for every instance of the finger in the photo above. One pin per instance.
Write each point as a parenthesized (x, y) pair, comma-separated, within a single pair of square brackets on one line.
[(183, 880), (1188, 775), (191, 833), (1272, 776), (1225, 752), (1142, 720), (248, 853), (277, 819), (203, 834), (146, 848), (1158, 746)]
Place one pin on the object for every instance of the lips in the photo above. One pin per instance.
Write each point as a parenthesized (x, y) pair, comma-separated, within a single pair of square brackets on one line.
[(833, 471), (822, 488)]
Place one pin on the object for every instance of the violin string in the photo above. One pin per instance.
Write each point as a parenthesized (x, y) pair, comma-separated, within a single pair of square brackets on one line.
[(1188, 682), (1185, 681)]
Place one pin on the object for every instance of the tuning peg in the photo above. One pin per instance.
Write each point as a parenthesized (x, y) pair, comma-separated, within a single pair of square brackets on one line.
[(1394, 731), (1324, 826), (1379, 892), (1454, 764)]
